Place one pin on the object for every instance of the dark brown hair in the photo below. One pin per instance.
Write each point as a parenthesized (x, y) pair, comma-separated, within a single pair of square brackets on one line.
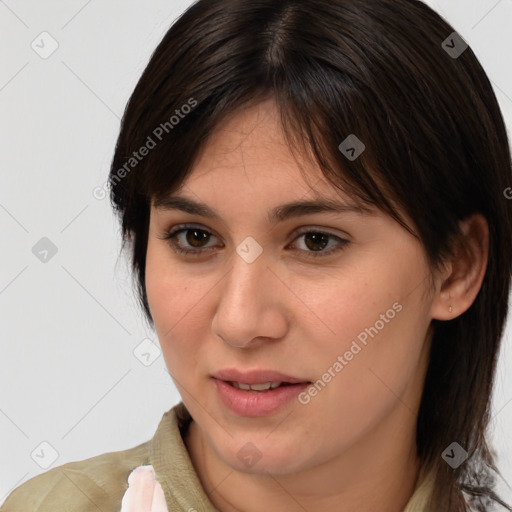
[(436, 149)]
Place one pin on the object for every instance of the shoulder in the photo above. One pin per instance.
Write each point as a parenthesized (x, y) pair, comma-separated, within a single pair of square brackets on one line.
[(97, 483)]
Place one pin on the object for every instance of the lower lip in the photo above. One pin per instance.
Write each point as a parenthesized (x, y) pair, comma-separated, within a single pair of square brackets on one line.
[(257, 403)]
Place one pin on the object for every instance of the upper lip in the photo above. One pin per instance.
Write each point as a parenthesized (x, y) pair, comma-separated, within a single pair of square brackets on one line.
[(254, 376)]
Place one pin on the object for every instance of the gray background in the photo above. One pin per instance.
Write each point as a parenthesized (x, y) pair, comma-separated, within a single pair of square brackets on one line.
[(70, 328)]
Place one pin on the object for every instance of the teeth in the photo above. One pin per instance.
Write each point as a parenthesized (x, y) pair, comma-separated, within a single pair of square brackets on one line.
[(256, 387)]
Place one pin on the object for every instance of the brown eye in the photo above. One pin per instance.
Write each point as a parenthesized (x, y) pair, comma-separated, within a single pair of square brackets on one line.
[(188, 239), (196, 237), (194, 241), (316, 241)]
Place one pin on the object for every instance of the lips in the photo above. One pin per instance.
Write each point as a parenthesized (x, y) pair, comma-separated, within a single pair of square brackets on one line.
[(256, 393), (250, 377)]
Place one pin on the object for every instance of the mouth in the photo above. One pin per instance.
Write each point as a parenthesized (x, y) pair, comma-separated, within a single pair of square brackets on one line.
[(258, 392), (265, 386), (258, 380)]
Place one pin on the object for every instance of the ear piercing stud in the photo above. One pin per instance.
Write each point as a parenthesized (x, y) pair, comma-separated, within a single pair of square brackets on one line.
[(450, 308)]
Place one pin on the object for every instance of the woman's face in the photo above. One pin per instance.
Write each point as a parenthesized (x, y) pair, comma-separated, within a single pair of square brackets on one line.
[(336, 299)]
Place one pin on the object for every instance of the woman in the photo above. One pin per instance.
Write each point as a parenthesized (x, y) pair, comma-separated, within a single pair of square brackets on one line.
[(312, 194)]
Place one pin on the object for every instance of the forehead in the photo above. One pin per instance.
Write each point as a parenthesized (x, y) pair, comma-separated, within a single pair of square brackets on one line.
[(250, 144)]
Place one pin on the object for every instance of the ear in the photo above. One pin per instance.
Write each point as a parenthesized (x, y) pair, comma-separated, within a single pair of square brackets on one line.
[(460, 281)]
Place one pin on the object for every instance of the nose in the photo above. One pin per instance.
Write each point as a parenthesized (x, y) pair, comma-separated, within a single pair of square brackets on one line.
[(251, 306)]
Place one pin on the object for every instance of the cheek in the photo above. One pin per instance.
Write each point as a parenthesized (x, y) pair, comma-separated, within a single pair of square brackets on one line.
[(377, 320), (169, 289), (174, 299), (345, 308), (371, 380)]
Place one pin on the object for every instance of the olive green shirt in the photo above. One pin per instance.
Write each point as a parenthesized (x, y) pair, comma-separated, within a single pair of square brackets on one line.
[(99, 483)]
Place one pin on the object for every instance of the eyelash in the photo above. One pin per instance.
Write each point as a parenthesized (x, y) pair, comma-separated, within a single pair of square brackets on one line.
[(171, 234)]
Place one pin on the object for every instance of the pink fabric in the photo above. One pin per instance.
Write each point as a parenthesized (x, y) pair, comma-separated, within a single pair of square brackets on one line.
[(144, 494)]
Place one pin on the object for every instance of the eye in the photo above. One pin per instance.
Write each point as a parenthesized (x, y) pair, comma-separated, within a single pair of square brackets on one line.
[(316, 241), (191, 240)]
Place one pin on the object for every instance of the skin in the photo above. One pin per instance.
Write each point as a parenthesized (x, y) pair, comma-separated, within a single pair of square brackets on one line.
[(352, 447)]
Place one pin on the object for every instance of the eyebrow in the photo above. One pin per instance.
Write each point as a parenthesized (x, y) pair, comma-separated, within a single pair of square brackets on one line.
[(278, 214)]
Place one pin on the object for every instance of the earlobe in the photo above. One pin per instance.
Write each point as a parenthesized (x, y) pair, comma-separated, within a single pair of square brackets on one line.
[(460, 283)]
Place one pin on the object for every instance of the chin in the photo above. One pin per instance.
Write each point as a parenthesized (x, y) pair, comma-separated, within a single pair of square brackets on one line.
[(266, 466), (260, 457)]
